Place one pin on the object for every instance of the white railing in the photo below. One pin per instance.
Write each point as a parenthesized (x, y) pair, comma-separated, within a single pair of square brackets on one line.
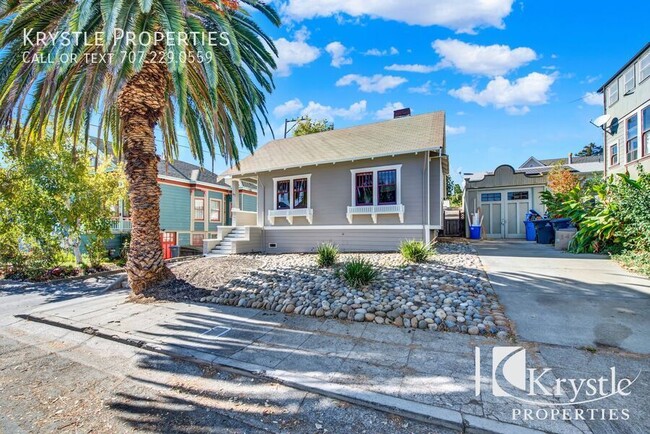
[(121, 224), (289, 214), (374, 211)]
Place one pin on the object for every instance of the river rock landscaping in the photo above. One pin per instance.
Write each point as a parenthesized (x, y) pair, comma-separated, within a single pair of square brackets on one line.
[(449, 292)]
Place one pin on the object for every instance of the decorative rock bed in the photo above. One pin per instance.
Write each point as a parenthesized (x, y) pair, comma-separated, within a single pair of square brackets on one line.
[(450, 292)]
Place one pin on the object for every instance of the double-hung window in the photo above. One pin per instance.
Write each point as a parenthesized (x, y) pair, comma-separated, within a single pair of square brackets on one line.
[(198, 208), (629, 80), (645, 137), (644, 67), (613, 154), (215, 210), (632, 143), (377, 186), (387, 184), (612, 93)]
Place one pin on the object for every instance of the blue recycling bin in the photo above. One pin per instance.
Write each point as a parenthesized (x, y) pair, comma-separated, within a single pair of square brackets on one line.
[(475, 232), (531, 235)]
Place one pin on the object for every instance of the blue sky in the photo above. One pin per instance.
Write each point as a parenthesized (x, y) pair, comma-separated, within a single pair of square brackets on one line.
[(513, 77)]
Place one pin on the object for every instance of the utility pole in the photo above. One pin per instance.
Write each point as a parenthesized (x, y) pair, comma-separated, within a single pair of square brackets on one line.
[(295, 122)]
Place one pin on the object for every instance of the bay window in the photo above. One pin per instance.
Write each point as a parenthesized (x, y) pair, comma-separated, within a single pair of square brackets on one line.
[(632, 143)]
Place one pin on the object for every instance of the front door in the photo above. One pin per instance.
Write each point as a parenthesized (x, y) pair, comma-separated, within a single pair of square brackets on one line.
[(504, 213), (167, 239)]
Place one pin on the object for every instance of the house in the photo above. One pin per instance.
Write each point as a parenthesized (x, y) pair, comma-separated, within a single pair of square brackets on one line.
[(505, 195), (193, 205), (364, 188), (626, 98)]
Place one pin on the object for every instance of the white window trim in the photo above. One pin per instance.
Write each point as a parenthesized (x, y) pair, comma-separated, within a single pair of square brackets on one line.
[(627, 138), (196, 199), (647, 67), (618, 154), (376, 209), (609, 93), (220, 210), (632, 70), (290, 213)]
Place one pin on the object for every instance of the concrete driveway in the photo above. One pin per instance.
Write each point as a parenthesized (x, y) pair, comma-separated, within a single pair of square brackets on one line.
[(560, 298)]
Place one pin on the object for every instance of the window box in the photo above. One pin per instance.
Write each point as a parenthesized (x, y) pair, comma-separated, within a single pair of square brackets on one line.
[(292, 198), (376, 191), (374, 211)]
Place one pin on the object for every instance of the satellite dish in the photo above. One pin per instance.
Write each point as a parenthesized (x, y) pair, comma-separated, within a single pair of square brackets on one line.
[(601, 121)]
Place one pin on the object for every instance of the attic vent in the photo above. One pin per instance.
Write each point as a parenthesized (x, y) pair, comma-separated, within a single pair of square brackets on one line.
[(402, 113)]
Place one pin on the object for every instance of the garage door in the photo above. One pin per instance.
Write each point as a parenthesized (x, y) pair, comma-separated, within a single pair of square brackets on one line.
[(504, 212)]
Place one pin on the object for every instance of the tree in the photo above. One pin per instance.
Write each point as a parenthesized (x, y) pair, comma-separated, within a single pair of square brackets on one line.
[(52, 198), (562, 180), (589, 150), (309, 126), (205, 65)]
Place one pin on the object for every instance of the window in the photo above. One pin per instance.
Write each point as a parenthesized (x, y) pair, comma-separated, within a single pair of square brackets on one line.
[(197, 239), (292, 192), (283, 195), (632, 144), (300, 193), (629, 80), (645, 137), (612, 92), (644, 67), (490, 197), (198, 209), (613, 154), (518, 195), (215, 210), (387, 181), (377, 186), (364, 189)]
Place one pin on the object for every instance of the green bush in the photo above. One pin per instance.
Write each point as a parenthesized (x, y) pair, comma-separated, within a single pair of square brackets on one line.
[(327, 254), (637, 261), (416, 251), (359, 272)]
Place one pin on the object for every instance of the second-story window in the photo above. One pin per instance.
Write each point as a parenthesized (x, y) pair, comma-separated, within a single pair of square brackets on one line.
[(632, 143), (629, 80), (644, 67), (612, 93)]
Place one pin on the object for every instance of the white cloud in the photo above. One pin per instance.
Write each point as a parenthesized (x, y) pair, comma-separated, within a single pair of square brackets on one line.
[(290, 107), (381, 53), (490, 60), (319, 111), (338, 53), (387, 112), (463, 16), (515, 97), (593, 98), (377, 83), (422, 69), (425, 89), (295, 53), (454, 131)]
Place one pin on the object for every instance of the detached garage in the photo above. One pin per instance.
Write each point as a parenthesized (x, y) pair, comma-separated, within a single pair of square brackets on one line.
[(505, 195)]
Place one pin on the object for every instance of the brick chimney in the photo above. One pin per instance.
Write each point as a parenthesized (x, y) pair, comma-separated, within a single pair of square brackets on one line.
[(402, 113)]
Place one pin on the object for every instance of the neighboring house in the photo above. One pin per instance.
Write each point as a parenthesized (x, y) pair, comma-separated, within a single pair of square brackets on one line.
[(627, 103), (505, 195), (364, 188), (193, 205)]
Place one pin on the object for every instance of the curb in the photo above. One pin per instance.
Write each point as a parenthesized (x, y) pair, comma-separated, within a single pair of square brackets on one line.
[(420, 412)]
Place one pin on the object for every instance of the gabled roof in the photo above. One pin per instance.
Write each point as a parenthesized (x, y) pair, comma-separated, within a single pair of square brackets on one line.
[(398, 136), (624, 67), (183, 170), (574, 160)]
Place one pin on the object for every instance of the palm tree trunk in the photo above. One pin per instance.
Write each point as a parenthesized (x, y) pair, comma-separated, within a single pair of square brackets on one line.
[(141, 103)]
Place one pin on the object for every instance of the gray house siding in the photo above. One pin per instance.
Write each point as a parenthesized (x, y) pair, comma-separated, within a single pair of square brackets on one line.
[(331, 192), (435, 181), (348, 240)]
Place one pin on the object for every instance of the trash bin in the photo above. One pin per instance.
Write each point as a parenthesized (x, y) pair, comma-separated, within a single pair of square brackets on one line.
[(530, 230), (545, 231), (175, 251), (563, 238), (562, 223), (475, 232)]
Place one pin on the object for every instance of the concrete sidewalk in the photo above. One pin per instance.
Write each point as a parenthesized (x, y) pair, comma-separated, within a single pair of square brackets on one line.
[(424, 375)]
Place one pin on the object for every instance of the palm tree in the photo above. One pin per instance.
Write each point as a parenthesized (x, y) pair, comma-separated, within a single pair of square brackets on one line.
[(202, 64)]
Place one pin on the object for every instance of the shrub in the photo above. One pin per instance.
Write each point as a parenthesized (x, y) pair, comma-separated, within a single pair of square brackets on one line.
[(416, 251), (359, 272), (327, 254)]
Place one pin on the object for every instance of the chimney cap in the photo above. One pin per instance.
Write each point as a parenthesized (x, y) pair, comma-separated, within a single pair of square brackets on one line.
[(402, 113)]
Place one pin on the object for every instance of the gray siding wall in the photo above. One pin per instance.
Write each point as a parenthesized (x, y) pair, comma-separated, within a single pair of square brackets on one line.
[(436, 192), (626, 106), (349, 240), (253, 245), (331, 192)]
